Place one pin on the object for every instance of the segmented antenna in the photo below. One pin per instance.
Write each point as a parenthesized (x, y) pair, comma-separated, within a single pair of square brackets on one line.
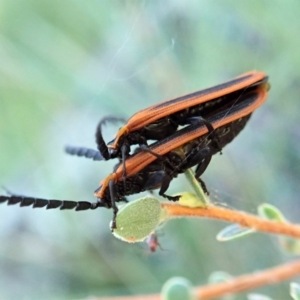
[(48, 203), (86, 152)]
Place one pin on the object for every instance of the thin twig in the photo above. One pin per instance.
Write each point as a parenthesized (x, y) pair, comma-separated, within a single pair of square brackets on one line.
[(244, 219), (250, 281), (236, 285)]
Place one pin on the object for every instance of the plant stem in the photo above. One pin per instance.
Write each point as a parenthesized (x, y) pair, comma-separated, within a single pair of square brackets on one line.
[(236, 285), (250, 281), (244, 219), (190, 176)]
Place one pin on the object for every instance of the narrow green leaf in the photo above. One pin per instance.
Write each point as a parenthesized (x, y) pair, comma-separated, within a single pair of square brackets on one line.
[(270, 212), (232, 232), (258, 297)]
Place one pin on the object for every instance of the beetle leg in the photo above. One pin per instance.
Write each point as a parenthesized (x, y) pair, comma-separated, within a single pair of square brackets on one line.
[(159, 157), (143, 141), (211, 131), (215, 138), (198, 158), (124, 199), (204, 160), (203, 185), (160, 179), (201, 168), (145, 148), (112, 190), (125, 152), (101, 145), (164, 186), (154, 181)]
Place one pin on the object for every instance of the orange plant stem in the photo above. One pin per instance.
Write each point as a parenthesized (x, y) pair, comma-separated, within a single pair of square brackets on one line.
[(244, 219), (236, 285), (139, 297), (250, 281)]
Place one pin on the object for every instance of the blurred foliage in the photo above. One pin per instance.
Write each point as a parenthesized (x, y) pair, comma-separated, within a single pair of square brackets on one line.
[(66, 64), (295, 290), (177, 288)]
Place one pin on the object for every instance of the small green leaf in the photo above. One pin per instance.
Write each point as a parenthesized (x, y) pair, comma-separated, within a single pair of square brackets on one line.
[(190, 200), (232, 232), (295, 291), (270, 212), (219, 276), (258, 297), (177, 288), (138, 219), (290, 245)]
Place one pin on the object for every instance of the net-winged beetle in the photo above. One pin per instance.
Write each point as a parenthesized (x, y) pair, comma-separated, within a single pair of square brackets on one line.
[(161, 120), (155, 166)]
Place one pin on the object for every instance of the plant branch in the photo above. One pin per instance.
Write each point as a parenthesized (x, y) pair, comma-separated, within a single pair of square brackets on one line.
[(233, 286), (244, 219), (250, 281)]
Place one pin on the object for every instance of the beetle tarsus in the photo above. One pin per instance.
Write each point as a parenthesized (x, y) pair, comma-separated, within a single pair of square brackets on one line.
[(112, 190), (171, 198), (203, 186)]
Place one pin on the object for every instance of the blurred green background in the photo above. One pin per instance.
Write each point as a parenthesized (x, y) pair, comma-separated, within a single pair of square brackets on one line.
[(66, 64)]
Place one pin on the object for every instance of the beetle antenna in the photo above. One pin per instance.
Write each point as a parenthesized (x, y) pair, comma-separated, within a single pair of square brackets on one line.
[(48, 203), (85, 152)]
